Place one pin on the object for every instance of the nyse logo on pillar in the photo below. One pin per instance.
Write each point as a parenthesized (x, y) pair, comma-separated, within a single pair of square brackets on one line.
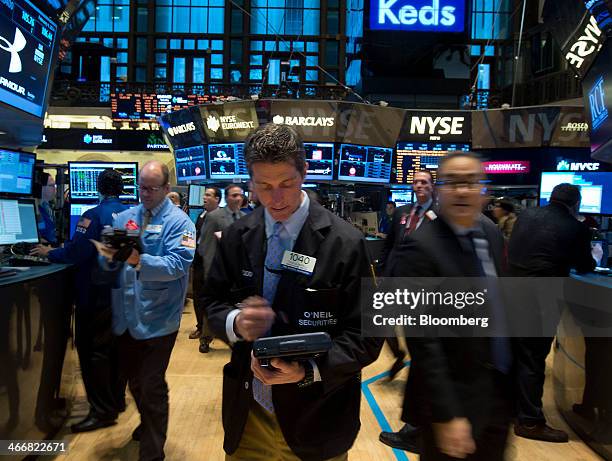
[(418, 15)]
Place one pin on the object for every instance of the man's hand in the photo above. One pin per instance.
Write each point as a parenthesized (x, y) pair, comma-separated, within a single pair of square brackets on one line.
[(255, 318), (41, 250), (454, 438), (283, 372), (134, 258), (597, 253), (105, 251)]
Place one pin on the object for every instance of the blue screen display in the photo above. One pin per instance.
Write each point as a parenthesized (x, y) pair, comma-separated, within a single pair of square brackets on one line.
[(595, 188), (27, 38), (418, 15), (17, 172), (364, 163), (190, 164), (320, 158), (227, 161)]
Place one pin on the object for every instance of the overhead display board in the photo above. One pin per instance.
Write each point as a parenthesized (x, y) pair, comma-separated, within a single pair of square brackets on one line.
[(146, 107), (27, 43)]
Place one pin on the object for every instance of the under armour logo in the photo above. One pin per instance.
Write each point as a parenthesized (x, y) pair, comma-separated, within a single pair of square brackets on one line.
[(14, 48)]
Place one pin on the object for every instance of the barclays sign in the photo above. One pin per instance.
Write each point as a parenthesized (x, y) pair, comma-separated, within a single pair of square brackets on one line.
[(418, 15)]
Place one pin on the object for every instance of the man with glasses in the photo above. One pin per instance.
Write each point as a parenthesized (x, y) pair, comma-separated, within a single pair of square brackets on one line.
[(459, 387), (148, 304)]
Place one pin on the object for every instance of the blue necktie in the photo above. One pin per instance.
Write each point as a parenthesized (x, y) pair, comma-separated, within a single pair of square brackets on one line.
[(262, 393)]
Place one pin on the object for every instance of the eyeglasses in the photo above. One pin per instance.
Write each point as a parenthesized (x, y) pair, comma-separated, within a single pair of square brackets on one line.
[(467, 183), (151, 188)]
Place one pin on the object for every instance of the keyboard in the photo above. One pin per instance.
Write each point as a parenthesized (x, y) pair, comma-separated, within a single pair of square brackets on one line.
[(27, 261)]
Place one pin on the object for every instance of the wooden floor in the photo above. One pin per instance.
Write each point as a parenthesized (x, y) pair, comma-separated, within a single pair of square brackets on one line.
[(195, 431)]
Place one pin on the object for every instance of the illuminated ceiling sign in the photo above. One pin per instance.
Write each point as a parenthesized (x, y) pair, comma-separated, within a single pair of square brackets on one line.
[(418, 15), (564, 165)]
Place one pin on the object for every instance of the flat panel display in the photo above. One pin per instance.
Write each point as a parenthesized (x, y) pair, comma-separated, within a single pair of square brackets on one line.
[(227, 161), (27, 41), (411, 157), (194, 213), (196, 195), (17, 221), (84, 180), (16, 172), (320, 158), (595, 188), (401, 197), (190, 164), (76, 211), (364, 163)]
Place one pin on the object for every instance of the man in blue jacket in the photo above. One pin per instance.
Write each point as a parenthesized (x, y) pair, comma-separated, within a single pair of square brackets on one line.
[(149, 298), (93, 312)]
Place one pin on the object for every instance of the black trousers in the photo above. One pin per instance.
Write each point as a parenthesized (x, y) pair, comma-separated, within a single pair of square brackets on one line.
[(530, 358), (198, 305), (144, 363), (491, 440), (96, 347)]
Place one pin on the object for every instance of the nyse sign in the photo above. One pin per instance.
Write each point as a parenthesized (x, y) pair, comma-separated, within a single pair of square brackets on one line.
[(441, 126), (418, 15)]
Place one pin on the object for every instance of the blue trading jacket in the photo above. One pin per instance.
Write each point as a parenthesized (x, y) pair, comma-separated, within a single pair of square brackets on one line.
[(149, 300), (81, 252)]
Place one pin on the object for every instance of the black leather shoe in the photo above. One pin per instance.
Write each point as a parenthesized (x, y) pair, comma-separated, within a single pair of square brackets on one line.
[(91, 423), (541, 432), (136, 433), (205, 344), (405, 439)]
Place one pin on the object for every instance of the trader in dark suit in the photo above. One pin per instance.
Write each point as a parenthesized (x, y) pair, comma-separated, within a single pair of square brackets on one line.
[(459, 391), (545, 242), (308, 410), (215, 223), (212, 197), (406, 220)]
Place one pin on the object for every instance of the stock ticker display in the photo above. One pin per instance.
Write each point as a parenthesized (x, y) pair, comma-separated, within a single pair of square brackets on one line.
[(411, 157), (141, 107), (84, 180), (27, 40), (364, 163), (227, 161)]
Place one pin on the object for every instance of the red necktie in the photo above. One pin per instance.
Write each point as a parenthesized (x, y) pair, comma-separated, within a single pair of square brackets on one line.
[(414, 219)]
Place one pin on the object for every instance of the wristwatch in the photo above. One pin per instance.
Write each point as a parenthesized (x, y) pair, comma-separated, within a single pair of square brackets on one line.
[(308, 375)]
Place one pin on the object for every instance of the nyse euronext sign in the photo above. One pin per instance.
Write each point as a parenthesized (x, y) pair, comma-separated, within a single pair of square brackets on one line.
[(418, 15)]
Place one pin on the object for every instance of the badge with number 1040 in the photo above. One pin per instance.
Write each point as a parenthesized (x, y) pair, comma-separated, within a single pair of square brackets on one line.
[(298, 262)]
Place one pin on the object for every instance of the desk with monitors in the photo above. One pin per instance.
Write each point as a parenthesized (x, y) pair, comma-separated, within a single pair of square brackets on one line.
[(18, 221), (226, 161), (17, 173), (364, 163), (84, 180), (320, 158), (190, 164), (411, 157)]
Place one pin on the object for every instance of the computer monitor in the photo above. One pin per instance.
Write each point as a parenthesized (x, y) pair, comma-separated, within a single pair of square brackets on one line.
[(76, 211), (84, 180), (17, 172), (320, 158), (18, 221), (190, 164), (196, 195), (401, 197), (227, 161), (595, 189), (365, 163)]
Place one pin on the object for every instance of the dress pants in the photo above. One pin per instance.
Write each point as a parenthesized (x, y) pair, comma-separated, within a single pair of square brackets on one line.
[(96, 345), (144, 362), (491, 441), (263, 440), (198, 305), (530, 356)]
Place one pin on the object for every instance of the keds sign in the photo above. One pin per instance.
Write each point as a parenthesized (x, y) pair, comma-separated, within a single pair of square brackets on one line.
[(418, 15)]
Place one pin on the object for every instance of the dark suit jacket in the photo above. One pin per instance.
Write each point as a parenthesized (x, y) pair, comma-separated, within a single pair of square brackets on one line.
[(396, 233), (548, 242), (449, 377), (215, 221), (320, 421)]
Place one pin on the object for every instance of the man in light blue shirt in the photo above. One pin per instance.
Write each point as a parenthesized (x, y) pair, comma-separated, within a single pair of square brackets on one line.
[(149, 299)]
